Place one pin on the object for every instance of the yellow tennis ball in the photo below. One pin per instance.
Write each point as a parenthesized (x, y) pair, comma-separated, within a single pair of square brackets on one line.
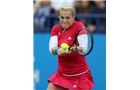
[(64, 46)]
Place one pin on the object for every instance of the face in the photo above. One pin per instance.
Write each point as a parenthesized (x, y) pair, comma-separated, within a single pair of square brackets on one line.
[(66, 19)]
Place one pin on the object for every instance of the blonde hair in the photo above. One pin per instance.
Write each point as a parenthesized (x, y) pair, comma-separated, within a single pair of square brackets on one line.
[(67, 8)]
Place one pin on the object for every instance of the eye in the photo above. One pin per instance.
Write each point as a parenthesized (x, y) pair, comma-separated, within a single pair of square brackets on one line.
[(67, 17), (61, 17)]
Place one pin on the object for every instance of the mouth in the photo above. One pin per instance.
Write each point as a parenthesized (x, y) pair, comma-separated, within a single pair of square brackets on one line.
[(65, 24)]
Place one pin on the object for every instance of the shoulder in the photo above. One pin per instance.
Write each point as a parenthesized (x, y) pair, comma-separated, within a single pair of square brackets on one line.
[(79, 24), (57, 26), (55, 29)]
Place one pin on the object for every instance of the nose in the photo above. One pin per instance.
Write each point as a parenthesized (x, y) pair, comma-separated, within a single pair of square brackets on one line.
[(64, 20)]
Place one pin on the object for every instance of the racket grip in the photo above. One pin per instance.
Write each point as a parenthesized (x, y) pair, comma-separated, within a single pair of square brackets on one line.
[(69, 48), (74, 50)]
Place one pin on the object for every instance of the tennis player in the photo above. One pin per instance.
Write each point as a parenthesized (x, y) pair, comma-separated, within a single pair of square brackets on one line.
[(73, 72)]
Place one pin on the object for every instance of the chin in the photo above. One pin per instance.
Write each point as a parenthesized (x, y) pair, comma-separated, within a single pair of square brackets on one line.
[(65, 27)]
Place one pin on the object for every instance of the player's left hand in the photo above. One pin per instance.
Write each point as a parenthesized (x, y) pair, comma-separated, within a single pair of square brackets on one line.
[(67, 51), (73, 49)]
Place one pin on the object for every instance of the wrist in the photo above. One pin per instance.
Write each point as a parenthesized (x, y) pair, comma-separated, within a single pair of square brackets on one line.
[(79, 49), (56, 49)]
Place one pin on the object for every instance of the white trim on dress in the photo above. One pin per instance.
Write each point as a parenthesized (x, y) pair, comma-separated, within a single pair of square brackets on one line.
[(75, 74)]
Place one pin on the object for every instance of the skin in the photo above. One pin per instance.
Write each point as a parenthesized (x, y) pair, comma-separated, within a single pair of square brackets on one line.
[(66, 19)]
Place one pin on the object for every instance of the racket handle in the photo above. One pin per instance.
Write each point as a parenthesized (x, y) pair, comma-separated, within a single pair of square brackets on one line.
[(74, 50)]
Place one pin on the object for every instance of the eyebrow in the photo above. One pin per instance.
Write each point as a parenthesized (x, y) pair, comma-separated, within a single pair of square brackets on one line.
[(67, 17)]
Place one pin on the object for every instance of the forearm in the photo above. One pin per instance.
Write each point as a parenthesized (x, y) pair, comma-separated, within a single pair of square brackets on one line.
[(53, 50), (83, 41), (53, 44)]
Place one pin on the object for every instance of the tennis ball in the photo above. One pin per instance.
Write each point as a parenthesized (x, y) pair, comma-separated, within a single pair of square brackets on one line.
[(64, 46)]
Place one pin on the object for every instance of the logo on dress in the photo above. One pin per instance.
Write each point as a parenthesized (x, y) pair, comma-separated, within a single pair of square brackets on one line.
[(69, 38), (74, 86)]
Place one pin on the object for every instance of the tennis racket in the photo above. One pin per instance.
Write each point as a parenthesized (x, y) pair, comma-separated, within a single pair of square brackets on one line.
[(90, 40)]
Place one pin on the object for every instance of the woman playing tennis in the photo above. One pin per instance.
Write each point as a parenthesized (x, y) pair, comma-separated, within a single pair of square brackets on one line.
[(73, 72)]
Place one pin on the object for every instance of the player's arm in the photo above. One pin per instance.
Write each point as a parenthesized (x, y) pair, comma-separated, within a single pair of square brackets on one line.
[(54, 49), (83, 41), (53, 45)]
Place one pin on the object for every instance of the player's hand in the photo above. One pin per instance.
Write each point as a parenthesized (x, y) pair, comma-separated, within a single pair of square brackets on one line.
[(62, 52), (76, 49), (67, 51), (73, 49)]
